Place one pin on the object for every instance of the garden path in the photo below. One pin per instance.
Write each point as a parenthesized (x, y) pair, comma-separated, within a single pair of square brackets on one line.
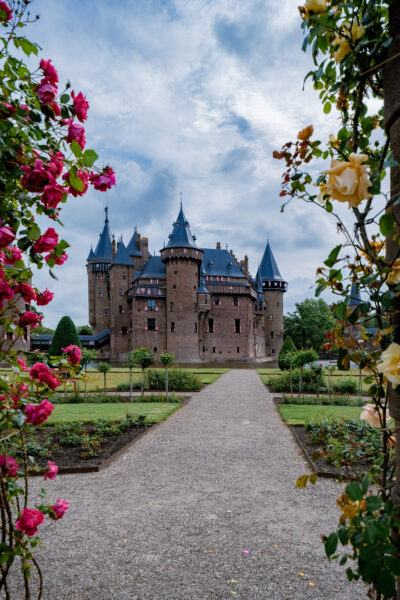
[(170, 519)]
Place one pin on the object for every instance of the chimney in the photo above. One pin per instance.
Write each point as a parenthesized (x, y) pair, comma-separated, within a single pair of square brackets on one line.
[(113, 247), (218, 246), (138, 242), (145, 248)]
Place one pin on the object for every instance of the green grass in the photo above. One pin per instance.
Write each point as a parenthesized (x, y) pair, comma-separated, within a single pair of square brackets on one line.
[(275, 371), (295, 414), (155, 412)]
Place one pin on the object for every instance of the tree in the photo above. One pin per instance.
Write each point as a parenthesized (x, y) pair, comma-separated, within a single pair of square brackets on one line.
[(131, 363), (303, 358), (104, 367), (143, 358), (84, 330), (307, 325), (65, 335), (287, 347), (166, 360), (87, 357)]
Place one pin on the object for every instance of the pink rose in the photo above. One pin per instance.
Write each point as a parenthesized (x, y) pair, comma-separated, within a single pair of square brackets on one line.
[(55, 166), (6, 235), (59, 509), (12, 255), (73, 354), (104, 180), (29, 520), (30, 319), (18, 391), (84, 177), (46, 91), (8, 466), (44, 298), (22, 364), (52, 471), (38, 368), (56, 108), (38, 413), (48, 241), (49, 379), (81, 106), (36, 178), (5, 12), (49, 71), (26, 291), (59, 260), (6, 110), (75, 132), (6, 293), (52, 195)]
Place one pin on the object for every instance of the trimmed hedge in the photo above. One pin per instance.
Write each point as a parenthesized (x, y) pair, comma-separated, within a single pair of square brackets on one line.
[(178, 380), (325, 400)]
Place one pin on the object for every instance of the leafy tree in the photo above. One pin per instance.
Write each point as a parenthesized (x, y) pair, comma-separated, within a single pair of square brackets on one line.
[(166, 360), (65, 334), (303, 358), (84, 330), (308, 324), (143, 358), (42, 329), (287, 347), (104, 367), (87, 357)]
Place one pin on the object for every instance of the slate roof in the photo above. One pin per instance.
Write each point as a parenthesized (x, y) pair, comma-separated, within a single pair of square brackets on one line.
[(91, 254), (181, 236), (355, 296), (132, 246), (268, 268), (122, 256), (202, 284), (220, 263), (153, 269), (103, 248)]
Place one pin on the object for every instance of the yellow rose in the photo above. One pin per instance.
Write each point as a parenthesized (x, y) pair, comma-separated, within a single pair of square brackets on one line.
[(315, 6), (371, 415), (343, 50), (390, 365), (357, 31), (393, 277), (349, 181)]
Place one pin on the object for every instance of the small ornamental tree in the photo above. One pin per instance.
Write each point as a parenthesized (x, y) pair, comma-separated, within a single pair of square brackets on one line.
[(104, 367), (143, 358), (287, 346), (166, 360), (87, 357), (317, 369), (64, 335), (303, 358), (131, 364), (43, 162)]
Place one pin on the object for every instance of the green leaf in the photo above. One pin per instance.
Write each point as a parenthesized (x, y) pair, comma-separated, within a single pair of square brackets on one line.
[(340, 311), (374, 503), (64, 98), (354, 491), (302, 481), (390, 161), (89, 157), (313, 478), (386, 224), (393, 564), (343, 535), (76, 149), (330, 261), (76, 182), (27, 47), (53, 275), (331, 544), (19, 418), (327, 107), (329, 206), (370, 533), (385, 584)]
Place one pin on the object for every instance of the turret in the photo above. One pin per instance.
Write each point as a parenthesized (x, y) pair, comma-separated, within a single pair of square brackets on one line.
[(121, 273), (273, 286), (182, 259), (98, 265)]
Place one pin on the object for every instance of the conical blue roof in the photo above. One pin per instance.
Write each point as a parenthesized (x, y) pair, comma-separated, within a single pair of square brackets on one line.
[(268, 269), (103, 248), (202, 283), (91, 254), (181, 236), (132, 246), (355, 296), (122, 256)]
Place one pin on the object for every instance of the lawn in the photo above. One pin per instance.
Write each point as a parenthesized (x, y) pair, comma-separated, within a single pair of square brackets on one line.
[(295, 414), (155, 411)]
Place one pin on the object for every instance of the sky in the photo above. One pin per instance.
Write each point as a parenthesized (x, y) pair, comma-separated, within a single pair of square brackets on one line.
[(187, 97)]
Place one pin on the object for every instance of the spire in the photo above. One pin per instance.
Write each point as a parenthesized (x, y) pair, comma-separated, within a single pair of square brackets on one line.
[(91, 254), (268, 268), (355, 296), (202, 283), (122, 256), (132, 246), (181, 236), (104, 248)]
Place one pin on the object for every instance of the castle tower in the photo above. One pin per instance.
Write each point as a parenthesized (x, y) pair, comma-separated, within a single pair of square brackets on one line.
[(273, 287), (182, 259), (98, 265), (121, 273)]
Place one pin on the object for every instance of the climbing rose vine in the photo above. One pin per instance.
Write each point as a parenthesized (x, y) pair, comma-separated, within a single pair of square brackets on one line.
[(43, 163)]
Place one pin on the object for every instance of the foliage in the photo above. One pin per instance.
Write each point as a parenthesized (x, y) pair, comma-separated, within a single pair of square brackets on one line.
[(344, 385), (100, 398), (166, 359), (307, 325), (342, 359), (281, 383), (84, 330), (325, 400), (143, 358), (178, 380), (288, 347), (64, 335)]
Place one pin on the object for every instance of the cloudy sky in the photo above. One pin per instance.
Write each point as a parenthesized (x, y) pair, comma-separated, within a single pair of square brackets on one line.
[(187, 96)]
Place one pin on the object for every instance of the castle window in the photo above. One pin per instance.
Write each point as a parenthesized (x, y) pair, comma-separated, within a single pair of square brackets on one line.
[(124, 330), (175, 272), (172, 326), (151, 324), (214, 349), (217, 301), (106, 312), (174, 286), (100, 294), (155, 349), (272, 335), (99, 276), (124, 276), (273, 350), (211, 326), (204, 348), (235, 301), (120, 309), (151, 305), (238, 349), (195, 327), (171, 307), (237, 328), (121, 293)]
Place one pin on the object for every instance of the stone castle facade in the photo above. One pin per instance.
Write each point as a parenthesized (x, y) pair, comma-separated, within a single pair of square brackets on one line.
[(199, 303)]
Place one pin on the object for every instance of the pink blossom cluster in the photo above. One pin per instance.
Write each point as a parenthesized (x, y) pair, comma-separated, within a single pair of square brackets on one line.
[(31, 518), (73, 353), (41, 373)]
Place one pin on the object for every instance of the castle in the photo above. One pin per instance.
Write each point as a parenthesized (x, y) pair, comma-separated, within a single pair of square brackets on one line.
[(199, 303)]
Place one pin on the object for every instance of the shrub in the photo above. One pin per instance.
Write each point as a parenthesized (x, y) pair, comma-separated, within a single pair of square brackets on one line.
[(344, 385), (325, 400), (65, 334), (287, 346), (101, 398), (310, 384), (178, 380)]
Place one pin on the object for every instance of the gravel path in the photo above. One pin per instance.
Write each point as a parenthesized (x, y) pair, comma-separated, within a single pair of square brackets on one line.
[(169, 520)]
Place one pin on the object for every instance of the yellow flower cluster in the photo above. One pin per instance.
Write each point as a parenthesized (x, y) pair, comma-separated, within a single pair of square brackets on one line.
[(351, 33), (393, 277), (349, 181), (390, 365), (349, 508)]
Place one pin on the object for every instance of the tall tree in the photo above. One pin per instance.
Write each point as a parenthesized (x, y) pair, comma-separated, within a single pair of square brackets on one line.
[(308, 324), (64, 335)]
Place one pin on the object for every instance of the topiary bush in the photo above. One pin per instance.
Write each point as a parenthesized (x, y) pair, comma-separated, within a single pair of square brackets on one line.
[(65, 335), (287, 347)]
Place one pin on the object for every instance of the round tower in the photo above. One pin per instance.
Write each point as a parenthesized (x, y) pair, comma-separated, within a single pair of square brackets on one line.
[(98, 265), (273, 287), (182, 259)]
